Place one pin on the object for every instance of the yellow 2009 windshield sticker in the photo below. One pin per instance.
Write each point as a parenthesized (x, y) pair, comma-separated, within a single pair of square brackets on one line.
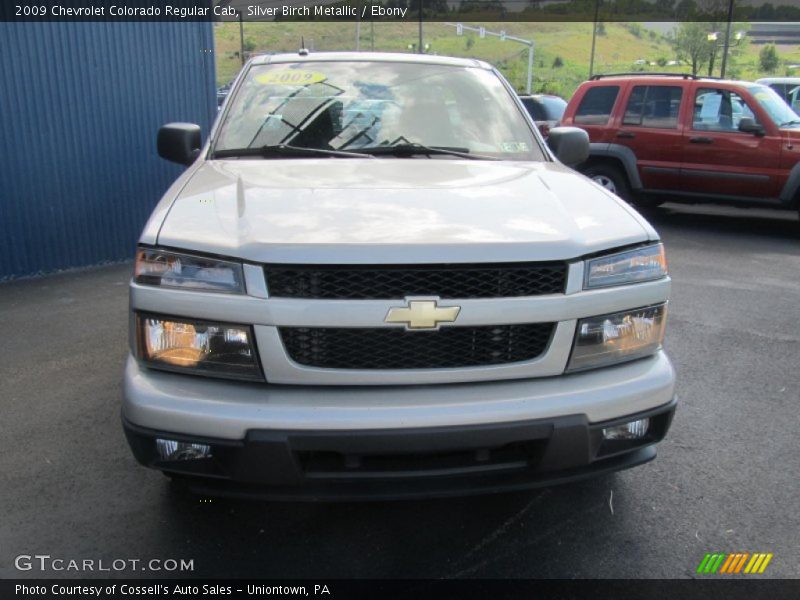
[(290, 77)]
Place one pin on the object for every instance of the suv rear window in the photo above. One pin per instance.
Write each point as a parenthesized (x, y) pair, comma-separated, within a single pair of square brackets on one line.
[(654, 106), (535, 109), (782, 89), (596, 105), (543, 108)]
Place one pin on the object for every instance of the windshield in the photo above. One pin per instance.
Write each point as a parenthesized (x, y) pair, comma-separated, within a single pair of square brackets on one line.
[(774, 105), (351, 106)]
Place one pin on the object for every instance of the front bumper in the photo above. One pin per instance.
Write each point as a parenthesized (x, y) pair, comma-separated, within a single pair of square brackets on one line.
[(316, 442), (404, 464)]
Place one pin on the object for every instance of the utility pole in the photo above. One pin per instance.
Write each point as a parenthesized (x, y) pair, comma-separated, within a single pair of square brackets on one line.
[(358, 28), (419, 45), (594, 36), (241, 38), (727, 40)]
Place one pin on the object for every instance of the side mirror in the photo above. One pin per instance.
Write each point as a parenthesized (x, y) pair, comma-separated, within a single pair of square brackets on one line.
[(179, 142), (748, 125), (569, 144)]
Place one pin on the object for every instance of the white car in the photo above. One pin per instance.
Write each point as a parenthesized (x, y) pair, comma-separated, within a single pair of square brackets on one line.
[(375, 279), (787, 88)]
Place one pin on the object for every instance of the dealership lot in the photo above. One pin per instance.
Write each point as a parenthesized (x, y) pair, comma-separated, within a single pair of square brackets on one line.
[(725, 479)]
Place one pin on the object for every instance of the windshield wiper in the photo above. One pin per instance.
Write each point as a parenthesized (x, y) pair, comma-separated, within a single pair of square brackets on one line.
[(792, 122), (412, 149), (281, 150)]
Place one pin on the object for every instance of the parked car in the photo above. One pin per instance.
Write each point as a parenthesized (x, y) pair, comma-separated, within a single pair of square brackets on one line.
[(545, 109), (787, 88), (222, 94), (687, 138), (363, 286)]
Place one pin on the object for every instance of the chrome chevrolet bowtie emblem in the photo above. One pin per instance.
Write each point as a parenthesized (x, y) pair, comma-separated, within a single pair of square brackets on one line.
[(422, 314)]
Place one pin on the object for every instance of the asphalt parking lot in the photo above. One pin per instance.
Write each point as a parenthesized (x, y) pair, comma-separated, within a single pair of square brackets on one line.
[(725, 480)]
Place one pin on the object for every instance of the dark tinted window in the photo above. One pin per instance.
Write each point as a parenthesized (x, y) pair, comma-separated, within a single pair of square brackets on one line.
[(545, 108), (596, 105), (782, 89), (654, 106), (535, 109)]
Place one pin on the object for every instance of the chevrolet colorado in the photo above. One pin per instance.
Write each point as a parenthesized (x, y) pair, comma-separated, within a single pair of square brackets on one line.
[(376, 280)]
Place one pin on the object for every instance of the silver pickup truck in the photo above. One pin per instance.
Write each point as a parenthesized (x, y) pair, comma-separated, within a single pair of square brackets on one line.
[(376, 280)]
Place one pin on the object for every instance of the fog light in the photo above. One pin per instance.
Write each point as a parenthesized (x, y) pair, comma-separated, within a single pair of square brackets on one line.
[(632, 430), (174, 450)]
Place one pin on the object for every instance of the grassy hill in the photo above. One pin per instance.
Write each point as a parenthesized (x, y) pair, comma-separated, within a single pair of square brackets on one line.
[(617, 48)]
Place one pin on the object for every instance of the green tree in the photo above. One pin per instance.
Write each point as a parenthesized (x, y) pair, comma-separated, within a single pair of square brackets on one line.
[(768, 59), (691, 44)]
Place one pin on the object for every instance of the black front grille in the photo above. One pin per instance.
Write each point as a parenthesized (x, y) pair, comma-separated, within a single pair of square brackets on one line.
[(358, 282), (395, 348)]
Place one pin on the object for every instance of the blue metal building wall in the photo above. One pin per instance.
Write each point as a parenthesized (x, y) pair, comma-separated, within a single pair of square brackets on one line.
[(80, 105)]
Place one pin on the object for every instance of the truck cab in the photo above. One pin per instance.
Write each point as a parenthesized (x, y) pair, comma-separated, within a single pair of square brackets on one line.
[(375, 279)]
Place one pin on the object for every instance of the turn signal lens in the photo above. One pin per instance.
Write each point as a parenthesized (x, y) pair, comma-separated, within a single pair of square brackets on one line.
[(177, 270), (632, 266), (198, 347)]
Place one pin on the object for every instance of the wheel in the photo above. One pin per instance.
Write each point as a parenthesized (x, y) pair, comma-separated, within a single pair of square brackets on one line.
[(611, 178)]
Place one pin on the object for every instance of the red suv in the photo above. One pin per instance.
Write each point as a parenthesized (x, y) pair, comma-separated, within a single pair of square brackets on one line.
[(661, 136)]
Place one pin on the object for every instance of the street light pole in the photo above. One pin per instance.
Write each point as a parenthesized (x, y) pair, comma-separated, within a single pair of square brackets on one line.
[(594, 36), (241, 39), (460, 27), (420, 28), (727, 40), (358, 28), (530, 69)]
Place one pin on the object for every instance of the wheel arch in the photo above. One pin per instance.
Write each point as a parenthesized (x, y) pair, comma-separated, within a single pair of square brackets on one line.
[(790, 194), (621, 156)]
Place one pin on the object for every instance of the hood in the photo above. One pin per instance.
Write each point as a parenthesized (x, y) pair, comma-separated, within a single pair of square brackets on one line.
[(396, 211)]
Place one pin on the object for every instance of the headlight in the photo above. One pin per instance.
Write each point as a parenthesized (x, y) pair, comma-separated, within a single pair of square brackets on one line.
[(632, 266), (190, 346), (618, 337), (173, 269)]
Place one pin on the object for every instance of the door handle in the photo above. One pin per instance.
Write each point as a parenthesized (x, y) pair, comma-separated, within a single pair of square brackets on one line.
[(626, 134), (701, 140)]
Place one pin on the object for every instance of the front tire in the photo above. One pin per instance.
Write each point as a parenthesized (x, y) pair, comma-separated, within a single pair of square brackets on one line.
[(612, 179)]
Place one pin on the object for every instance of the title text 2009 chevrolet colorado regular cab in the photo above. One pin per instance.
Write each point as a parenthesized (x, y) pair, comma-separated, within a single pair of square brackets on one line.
[(376, 280)]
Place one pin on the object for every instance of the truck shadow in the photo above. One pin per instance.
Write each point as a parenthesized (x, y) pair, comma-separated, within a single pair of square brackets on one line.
[(522, 534)]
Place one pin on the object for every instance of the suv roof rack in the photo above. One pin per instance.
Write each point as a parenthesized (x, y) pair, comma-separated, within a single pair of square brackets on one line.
[(646, 74)]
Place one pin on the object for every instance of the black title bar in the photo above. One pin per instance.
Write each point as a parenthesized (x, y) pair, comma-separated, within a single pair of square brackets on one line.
[(400, 10), (553, 589)]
